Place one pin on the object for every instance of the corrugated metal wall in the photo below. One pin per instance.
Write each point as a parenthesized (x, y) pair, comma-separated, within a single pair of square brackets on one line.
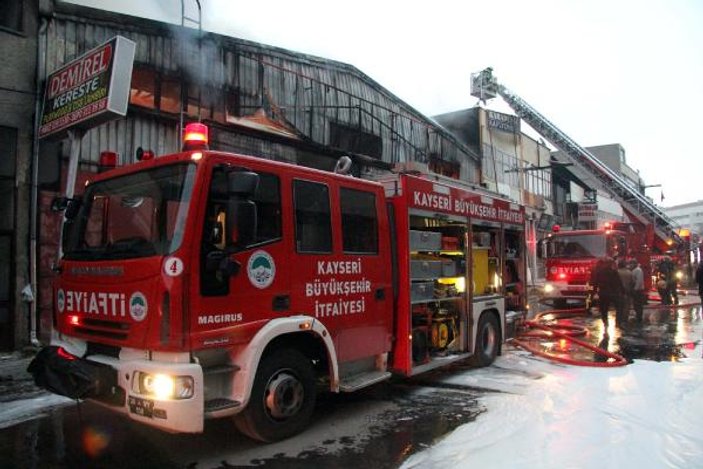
[(309, 92)]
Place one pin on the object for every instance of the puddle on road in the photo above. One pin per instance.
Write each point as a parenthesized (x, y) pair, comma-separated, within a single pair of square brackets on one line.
[(61, 440), (65, 439), (422, 416)]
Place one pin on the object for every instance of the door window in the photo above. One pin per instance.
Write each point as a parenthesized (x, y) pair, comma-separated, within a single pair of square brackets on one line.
[(313, 231), (359, 222)]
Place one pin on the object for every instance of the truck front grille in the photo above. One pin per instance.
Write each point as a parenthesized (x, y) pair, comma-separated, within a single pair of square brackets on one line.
[(106, 329), (102, 349)]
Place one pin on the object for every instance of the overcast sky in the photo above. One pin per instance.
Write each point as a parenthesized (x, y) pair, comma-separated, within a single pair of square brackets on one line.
[(603, 71)]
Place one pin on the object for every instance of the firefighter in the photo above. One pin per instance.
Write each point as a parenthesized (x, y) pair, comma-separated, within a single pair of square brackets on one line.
[(622, 307), (699, 280), (607, 284), (638, 293), (667, 282)]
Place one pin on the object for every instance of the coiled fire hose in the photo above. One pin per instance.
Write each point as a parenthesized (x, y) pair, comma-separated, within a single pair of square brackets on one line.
[(566, 332)]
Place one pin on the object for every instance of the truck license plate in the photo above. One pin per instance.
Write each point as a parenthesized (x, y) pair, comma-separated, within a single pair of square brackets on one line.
[(139, 406)]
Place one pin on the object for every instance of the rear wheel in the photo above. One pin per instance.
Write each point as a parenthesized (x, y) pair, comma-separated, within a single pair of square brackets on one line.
[(282, 398), (487, 341)]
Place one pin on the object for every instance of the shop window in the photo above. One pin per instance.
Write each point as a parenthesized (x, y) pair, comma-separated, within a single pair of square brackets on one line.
[(206, 102), (233, 104), (143, 89), (153, 90), (8, 151), (11, 15), (445, 168), (194, 102), (170, 97), (355, 140), (313, 230), (359, 222), (8, 155), (7, 203), (50, 165)]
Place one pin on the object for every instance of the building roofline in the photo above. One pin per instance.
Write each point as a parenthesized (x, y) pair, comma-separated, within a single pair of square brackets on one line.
[(141, 25)]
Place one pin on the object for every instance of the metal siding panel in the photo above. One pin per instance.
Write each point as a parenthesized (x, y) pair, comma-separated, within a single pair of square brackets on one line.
[(88, 37), (142, 51), (120, 129), (98, 143), (60, 46), (156, 46), (70, 41)]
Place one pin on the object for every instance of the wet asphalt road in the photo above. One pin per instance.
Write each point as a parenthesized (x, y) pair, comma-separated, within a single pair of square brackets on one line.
[(379, 427)]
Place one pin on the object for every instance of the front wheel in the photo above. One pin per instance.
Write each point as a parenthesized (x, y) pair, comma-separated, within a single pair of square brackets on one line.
[(487, 341), (282, 398)]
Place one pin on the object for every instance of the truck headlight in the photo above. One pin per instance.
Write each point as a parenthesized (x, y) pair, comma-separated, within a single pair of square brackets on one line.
[(679, 274), (163, 387), (548, 288)]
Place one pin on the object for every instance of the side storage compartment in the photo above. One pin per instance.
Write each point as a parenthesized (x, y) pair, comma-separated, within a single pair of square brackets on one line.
[(437, 287)]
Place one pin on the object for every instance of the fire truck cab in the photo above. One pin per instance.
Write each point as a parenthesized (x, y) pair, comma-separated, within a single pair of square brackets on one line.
[(206, 284), (570, 257)]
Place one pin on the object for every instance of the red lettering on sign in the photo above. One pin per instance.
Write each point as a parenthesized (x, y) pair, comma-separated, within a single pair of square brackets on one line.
[(80, 71)]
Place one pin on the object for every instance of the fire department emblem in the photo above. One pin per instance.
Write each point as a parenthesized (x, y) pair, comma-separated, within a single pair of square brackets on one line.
[(60, 300), (261, 269), (138, 306)]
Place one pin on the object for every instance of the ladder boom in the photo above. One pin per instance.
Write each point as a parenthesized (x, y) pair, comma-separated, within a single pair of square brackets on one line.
[(485, 86)]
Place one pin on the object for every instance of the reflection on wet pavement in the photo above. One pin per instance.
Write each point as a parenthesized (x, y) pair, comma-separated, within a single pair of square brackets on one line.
[(88, 436), (665, 334)]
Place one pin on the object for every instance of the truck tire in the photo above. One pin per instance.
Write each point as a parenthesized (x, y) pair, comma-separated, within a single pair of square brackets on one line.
[(282, 397), (487, 341)]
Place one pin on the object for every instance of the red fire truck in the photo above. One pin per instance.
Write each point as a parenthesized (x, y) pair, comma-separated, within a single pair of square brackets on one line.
[(206, 284), (571, 255)]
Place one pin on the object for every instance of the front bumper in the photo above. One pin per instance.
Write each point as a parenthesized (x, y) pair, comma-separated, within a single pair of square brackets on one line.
[(107, 381), (565, 290)]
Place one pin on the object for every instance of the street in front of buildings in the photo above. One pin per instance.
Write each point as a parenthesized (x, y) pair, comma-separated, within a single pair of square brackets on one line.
[(379, 427)]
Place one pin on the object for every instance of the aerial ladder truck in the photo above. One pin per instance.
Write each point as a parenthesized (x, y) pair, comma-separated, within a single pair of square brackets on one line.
[(663, 236)]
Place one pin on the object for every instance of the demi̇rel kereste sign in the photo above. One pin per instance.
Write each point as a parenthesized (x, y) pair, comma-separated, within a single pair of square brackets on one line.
[(89, 90)]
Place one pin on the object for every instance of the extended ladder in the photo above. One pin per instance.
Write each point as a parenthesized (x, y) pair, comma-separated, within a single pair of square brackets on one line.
[(485, 86)]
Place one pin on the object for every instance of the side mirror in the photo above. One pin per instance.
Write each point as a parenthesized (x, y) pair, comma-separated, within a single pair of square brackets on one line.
[(540, 249), (242, 183), (67, 205)]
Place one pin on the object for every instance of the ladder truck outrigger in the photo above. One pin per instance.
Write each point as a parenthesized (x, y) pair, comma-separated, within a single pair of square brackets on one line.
[(648, 233), (206, 284)]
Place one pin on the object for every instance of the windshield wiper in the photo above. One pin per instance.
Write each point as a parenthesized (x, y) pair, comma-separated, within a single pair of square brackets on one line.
[(135, 245)]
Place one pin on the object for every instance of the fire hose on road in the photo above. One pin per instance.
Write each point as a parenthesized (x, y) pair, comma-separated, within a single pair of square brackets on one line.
[(536, 329), (543, 329)]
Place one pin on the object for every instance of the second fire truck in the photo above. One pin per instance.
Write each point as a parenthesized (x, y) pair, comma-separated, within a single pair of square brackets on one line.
[(571, 255)]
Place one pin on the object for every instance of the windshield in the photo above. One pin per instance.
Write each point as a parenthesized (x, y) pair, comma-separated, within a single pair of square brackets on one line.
[(137, 215), (576, 246)]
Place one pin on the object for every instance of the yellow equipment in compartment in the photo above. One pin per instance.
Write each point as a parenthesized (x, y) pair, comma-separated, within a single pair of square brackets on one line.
[(443, 332), (479, 269)]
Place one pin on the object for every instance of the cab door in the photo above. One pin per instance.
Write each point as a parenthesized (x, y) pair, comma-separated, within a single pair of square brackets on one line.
[(342, 263), (241, 283)]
